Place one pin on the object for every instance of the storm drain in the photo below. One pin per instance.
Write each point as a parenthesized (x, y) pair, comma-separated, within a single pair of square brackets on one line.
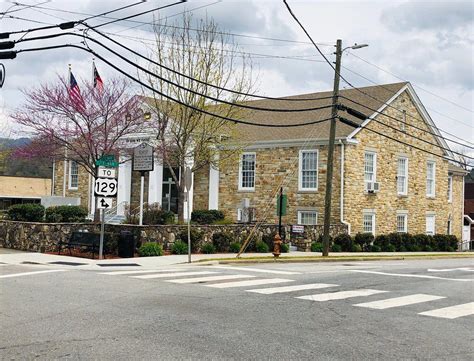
[(118, 265), (68, 263)]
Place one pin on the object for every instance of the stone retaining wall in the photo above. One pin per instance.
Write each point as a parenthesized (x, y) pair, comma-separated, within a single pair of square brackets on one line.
[(43, 237)]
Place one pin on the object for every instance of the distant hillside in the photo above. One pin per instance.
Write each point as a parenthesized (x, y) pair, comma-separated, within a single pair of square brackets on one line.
[(20, 167)]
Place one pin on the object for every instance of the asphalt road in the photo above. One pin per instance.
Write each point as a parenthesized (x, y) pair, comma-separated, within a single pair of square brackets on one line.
[(426, 313)]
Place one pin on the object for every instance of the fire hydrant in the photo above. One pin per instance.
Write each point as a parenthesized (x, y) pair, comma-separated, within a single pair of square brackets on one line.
[(276, 246)]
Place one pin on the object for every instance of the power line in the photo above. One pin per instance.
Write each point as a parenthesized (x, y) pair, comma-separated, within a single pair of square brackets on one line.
[(433, 110), (404, 123), (240, 105), (417, 86), (167, 96), (355, 125)]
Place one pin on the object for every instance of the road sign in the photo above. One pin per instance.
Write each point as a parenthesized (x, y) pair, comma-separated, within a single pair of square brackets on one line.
[(283, 203), (105, 187), (297, 229), (107, 160), (104, 203), (106, 172), (143, 158)]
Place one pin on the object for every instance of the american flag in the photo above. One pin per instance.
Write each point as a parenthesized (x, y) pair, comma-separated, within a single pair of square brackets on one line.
[(75, 93), (98, 83)]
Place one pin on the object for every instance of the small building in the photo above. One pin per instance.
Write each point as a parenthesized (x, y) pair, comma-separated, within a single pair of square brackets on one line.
[(17, 190)]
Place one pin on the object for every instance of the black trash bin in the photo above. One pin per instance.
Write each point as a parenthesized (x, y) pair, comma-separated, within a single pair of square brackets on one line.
[(126, 244)]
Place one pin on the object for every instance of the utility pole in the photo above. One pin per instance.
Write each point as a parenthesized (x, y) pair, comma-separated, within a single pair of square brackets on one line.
[(330, 162)]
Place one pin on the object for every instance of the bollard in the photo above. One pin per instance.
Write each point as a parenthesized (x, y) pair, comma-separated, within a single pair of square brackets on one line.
[(276, 246)]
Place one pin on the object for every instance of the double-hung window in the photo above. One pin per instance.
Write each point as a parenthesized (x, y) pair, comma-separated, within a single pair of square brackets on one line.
[(402, 176), (308, 218), (402, 222), (370, 167), (369, 222), (430, 178), (450, 189), (247, 172), (430, 224), (308, 170), (73, 175)]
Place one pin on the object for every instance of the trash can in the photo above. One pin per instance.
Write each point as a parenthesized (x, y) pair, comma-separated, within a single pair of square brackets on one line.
[(126, 244)]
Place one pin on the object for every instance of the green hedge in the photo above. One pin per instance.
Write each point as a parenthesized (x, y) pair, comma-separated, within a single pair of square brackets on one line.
[(62, 214), (28, 212), (204, 216)]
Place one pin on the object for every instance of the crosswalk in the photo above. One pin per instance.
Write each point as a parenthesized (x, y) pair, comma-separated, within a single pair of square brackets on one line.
[(219, 278)]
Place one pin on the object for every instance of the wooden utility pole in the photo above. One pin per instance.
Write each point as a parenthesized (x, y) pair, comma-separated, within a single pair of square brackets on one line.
[(330, 162)]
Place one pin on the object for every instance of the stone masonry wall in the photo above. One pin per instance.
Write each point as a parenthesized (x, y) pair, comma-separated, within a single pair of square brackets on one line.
[(83, 183), (275, 167), (44, 237), (387, 202)]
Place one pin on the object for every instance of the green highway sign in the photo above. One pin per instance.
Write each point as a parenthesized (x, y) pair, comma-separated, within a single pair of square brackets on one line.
[(107, 160)]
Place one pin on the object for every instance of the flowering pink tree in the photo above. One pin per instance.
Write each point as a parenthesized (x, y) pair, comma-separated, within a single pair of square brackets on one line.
[(84, 129)]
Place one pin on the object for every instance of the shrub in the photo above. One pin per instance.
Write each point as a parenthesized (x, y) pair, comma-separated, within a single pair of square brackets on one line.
[(204, 216), (196, 238), (364, 240), (423, 241), (390, 248), (150, 249), (222, 241), (452, 243), (344, 241), (208, 248), (375, 248), (336, 248), (268, 239), (284, 248), (234, 247), (382, 242), (28, 212), (179, 247), (395, 239), (63, 214), (316, 247), (152, 215), (408, 242), (261, 247), (356, 248)]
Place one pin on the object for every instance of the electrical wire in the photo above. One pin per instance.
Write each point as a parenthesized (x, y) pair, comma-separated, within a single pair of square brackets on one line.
[(238, 121), (404, 123)]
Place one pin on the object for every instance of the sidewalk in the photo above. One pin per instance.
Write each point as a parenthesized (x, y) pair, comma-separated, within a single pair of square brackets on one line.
[(13, 257)]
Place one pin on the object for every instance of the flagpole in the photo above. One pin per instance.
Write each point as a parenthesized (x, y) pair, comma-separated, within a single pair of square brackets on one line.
[(65, 147)]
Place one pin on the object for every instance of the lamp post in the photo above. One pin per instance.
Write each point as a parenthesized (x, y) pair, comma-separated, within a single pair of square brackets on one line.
[(332, 137)]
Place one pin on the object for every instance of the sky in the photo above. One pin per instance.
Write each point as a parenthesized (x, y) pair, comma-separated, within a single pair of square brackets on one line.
[(429, 43)]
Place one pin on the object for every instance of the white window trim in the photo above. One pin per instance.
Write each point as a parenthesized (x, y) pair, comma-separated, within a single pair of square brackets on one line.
[(406, 177), (375, 166), (434, 223), (307, 211), (300, 170), (70, 176), (403, 214), (240, 188), (450, 189), (433, 194), (369, 213)]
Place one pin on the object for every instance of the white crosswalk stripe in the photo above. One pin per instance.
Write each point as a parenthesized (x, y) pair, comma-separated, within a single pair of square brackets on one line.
[(283, 289), (11, 275), (259, 282), (121, 273), (452, 312), (466, 269), (399, 301), (174, 274), (340, 295), (210, 279), (258, 270)]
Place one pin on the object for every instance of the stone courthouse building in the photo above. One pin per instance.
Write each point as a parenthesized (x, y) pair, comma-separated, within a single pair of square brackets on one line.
[(392, 173)]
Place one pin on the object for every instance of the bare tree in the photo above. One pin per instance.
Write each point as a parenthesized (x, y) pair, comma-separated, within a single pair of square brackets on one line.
[(187, 136), (83, 130)]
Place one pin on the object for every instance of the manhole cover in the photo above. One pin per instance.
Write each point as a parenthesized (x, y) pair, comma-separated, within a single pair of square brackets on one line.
[(118, 265), (68, 263)]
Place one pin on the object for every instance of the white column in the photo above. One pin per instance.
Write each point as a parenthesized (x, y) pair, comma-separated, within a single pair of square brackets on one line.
[(155, 183), (92, 196), (124, 185), (213, 188)]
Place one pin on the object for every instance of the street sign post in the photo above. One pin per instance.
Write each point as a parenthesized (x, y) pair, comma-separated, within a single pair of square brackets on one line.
[(188, 180), (142, 161), (105, 187)]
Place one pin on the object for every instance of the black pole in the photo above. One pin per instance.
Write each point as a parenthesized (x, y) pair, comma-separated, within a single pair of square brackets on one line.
[(280, 211)]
